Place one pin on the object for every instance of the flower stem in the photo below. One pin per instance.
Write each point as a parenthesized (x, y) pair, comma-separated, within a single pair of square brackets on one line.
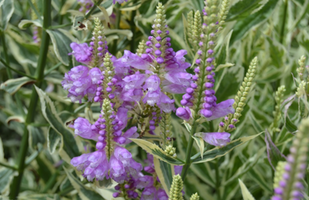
[(284, 20), (15, 186), (117, 23)]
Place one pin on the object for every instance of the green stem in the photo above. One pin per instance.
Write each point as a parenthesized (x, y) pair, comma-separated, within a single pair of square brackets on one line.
[(11, 68), (284, 21), (118, 17), (60, 20), (8, 166), (15, 186), (133, 27), (60, 26), (217, 180), (92, 9)]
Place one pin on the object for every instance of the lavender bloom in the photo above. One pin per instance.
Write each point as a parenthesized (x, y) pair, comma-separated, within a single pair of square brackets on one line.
[(216, 138), (82, 52), (85, 5), (184, 113), (83, 129), (81, 81)]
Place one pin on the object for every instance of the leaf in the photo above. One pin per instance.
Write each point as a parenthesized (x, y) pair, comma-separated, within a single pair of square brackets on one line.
[(165, 173), (13, 85), (36, 136), (19, 119), (53, 139), (156, 151), (255, 122), (83, 191), (243, 26), (204, 172), (273, 153), (200, 143), (7, 9), (221, 151), (223, 53), (1, 151), (23, 24), (188, 126), (241, 9), (222, 66), (6, 176), (245, 192), (51, 115), (61, 44)]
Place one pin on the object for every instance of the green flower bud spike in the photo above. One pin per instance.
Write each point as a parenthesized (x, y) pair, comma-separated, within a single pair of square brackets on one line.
[(240, 99), (279, 172), (197, 29), (301, 89), (98, 43), (106, 113), (195, 197), (277, 112), (190, 27), (176, 188), (301, 69), (223, 12), (141, 48)]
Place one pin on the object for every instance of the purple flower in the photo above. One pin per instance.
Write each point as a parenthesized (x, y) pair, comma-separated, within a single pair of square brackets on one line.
[(82, 52), (83, 129), (216, 138), (184, 113), (220, 110)]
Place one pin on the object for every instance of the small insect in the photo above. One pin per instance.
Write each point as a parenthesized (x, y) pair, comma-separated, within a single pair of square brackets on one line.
[(70, 122), (81, 25)]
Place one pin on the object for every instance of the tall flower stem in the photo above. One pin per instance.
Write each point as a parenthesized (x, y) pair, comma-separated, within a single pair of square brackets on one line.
[(15, 186), (117, 23)]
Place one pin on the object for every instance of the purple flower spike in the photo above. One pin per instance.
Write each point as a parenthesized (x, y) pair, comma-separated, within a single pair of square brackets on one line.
[(184, 113), (82, 52), (216, 138)]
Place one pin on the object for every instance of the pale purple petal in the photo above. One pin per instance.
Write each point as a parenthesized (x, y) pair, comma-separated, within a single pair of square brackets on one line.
[(184, 113), (216, 138), (222, 109)]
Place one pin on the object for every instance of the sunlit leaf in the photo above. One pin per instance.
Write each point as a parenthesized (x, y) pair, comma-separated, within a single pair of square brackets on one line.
[(13, 85), (200, 143), (36, 136), (6, 9), (245, 192), (53, 139), (165, 173)]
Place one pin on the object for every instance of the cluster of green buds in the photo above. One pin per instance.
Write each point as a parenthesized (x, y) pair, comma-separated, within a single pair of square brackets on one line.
[(279, 173), (176, 188), (141, 48), (301, 69), (277, 112), (98, 44), (240, 99), (194, 29), (195, 197), (106, 119)]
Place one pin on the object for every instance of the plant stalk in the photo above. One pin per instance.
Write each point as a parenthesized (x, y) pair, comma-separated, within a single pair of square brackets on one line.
[(15, 186), (284, 21)]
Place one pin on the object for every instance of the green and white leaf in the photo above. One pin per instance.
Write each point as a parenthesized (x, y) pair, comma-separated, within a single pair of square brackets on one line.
[(245, 192), (23, 24), (13, 85), (200, 143), (36, 137), (49, 112), (165, 172), (221, 151), (156, 152), (6, 9), (6, 176), (53, 139)]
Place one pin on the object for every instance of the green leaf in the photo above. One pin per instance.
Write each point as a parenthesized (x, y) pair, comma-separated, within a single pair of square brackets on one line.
[(290, 126), (25, 23), (7, 9), (53, 139), (223, 53), (203, 171), (157, 152), (255, 122), (51, 115), (243, 26), (36, 137), (83, 191), (165, 173), (245, 192), (13, 85), (61, 43), (200, 143), (273, 153), (1, 151), (241, 9), (221, 151), (6, 176)]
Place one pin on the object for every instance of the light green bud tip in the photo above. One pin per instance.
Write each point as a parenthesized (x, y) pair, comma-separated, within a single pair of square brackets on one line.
[(170, 150), (301, 69), (277, 111), (194, 197), (301, 89), (279, 172), (176, 188), (141, 48)]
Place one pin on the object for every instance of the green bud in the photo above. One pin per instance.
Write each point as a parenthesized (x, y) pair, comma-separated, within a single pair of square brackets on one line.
[(176, 188), (301, 69), (194, 197)]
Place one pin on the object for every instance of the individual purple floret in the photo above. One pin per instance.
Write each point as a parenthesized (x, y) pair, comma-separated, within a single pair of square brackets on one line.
[(184, 113), (216, 138), (85, 5), (82, 52), (81, 81), (119, 1)]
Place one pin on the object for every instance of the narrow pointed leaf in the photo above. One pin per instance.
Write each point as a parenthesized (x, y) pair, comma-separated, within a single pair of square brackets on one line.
[(245, 192), (53, 139), (7, 9), (219, 152), (13, 85), (156, 151), (200, 143), (165, 173)]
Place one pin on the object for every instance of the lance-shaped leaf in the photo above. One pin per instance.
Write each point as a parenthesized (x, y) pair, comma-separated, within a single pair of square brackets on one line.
[(245, 192), (157, 152), (200, 143), (36, 136), (220, 151), (51, 115), (273, 153), (83, 191), (6, 176), (53, 139), (61, 43), (13, 85), (165, 173), (7, 9)]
